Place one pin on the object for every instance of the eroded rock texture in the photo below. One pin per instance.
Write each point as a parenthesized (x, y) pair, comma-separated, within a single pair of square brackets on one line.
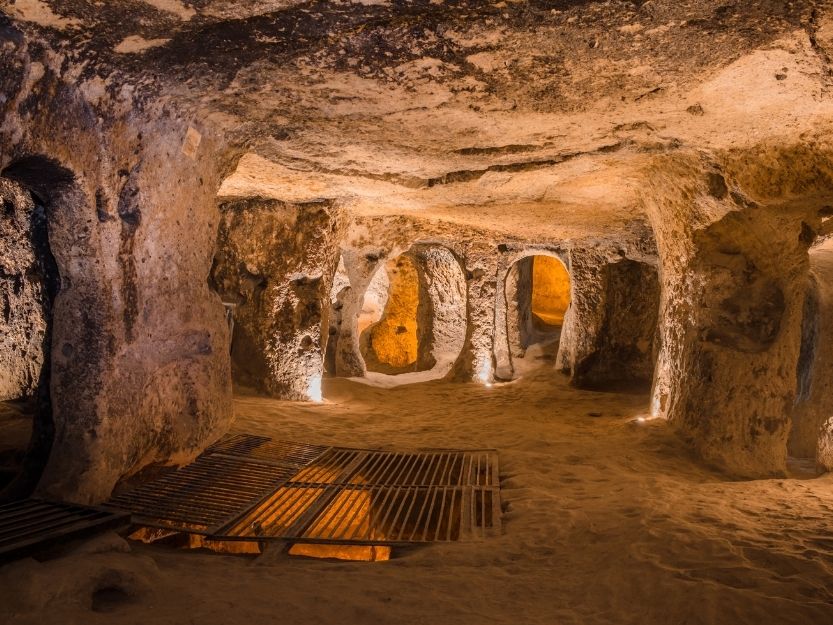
[(810, 433), (139, 366), (610, 327), (734, 285), (275, 262), (667, 151), (28, 281)]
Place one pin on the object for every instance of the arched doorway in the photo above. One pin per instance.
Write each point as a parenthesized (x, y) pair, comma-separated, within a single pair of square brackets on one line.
[(411, 324), (537, 292)]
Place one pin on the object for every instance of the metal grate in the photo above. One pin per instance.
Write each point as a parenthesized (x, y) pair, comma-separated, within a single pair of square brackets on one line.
[(204, 495), (248, 487), (33, 524), (392, 468), (378, 497), (264, 449)]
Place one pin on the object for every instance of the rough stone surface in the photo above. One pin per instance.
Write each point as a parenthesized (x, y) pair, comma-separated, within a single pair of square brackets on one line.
[(609, 331), (25, 301), (734, 277), (813, 403), (276, 263), (139, 365), (444, 289), (480, 127)]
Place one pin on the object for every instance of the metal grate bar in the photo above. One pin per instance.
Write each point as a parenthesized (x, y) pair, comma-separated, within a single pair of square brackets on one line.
[(31, 525), (264, 449), (432, 468), (363, 514), (204, 495), (248, 487)]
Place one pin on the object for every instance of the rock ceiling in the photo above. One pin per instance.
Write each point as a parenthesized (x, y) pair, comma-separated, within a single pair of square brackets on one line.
[(522, 117)]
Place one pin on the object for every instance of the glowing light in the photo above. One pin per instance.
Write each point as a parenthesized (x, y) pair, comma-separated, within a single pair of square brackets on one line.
[(314, 389), (484, 375), (655, 408), (645, 418)]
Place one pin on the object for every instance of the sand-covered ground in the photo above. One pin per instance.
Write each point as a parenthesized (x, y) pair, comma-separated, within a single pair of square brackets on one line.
[(606, 520)]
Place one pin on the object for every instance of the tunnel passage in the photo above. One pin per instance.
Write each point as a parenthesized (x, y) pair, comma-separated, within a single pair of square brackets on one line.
[(810, 430), (28, 284), (622, 353), (405, 323), (537, 298), (394, 319)]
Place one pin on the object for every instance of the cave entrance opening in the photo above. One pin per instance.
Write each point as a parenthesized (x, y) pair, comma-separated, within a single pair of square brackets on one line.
[(538, 297), (411, 319), (29, 282), (394, 319)]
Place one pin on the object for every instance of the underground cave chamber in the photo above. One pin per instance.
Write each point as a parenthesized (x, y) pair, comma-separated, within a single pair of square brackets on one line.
[(533, 297)]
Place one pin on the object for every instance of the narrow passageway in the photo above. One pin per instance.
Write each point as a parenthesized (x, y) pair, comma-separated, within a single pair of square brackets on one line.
[(537, 292)]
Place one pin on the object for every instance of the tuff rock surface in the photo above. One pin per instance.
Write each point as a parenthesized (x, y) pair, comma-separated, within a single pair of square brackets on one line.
[(679, 150)]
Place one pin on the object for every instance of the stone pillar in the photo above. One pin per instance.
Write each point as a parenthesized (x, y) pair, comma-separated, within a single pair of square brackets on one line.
[(584, 320), (733, 284), (443, 291), (276, 261), (476, 362), (360, 266), (139, 358)]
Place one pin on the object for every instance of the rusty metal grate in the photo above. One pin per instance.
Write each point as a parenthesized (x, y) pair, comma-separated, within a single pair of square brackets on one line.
[(380, 497), (204, 495), (223, 482), (32, 524), (395, 468), (264, 449), (378, 515), (248, 487)]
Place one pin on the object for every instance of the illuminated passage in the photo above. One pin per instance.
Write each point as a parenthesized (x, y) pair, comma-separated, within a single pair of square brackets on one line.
[(392, 343), (550, 290)]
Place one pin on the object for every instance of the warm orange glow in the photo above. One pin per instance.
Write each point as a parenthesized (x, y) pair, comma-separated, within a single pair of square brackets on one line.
[(349, 514), (195, 541), (394, 339), (356, 553), (278, 512), (550, 290), (244, 547)]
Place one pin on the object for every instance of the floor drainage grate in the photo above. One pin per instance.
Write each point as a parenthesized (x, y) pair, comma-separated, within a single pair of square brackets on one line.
[(264, 449), (205, 495), (377, 515), (31, 525), (252, 488)]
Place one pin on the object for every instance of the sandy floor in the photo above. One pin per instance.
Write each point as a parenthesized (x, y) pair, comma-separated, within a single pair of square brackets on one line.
[(606, 521)]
